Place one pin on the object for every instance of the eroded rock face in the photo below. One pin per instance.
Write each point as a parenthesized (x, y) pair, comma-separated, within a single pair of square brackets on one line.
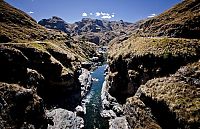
[(139, 115), (167, 102), (13, 64), (137, 60), (85, 81), (36, 72), (21, 108), (170, 102), (157, 86), (37, 69)]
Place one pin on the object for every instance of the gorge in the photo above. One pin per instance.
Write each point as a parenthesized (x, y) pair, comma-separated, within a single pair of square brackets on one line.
[(100, 74)]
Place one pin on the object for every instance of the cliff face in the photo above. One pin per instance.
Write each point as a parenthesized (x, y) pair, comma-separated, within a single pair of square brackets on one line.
[(40, 73), (167, 102), (156, 79), (21, 108), (163, 93), (138, 60)]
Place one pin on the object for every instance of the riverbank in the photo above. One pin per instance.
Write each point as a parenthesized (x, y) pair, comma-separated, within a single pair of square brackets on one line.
[(111, 109), (64, 118)]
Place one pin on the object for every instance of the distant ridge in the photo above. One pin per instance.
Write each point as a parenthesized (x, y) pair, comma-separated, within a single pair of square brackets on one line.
[(94, 30)]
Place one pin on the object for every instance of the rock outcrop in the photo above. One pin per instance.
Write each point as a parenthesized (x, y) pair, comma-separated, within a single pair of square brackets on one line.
[(85, 80), (137, 60), (156, 81), (167, 102), (64, 119), (21, 108)]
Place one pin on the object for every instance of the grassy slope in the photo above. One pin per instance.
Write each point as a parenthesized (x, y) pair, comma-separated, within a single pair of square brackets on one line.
[(140, 46), (18, 27), (182, 20)]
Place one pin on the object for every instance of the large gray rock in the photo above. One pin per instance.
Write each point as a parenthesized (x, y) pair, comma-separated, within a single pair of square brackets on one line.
[(119, 123), (64, 119), (108, 114), (80, 111), (85, 80)]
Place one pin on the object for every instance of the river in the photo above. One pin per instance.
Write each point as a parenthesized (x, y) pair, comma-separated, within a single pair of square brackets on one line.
[(92, 118)]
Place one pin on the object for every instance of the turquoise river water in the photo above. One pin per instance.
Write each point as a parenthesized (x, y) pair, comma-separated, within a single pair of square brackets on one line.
[(93, 119)]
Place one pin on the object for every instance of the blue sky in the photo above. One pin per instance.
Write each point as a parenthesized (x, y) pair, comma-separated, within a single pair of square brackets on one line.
[(75, 10)]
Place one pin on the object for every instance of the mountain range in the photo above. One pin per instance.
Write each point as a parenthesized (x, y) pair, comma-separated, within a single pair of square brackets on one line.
[(100, 32)]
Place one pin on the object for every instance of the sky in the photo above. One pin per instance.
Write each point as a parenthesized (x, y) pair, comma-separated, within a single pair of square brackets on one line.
[(74, 10)]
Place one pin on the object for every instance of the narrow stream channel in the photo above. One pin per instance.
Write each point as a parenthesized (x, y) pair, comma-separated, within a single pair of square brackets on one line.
[(93, 119)]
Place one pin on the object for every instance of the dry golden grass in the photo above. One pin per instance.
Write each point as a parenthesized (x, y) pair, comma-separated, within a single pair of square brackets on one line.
[(182, 20), (160, 47), (17, 26)]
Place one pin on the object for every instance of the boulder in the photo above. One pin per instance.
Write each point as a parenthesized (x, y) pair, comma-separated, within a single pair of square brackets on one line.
[(80, 111), (21, 108), (108, 114), (85, 80), (64, 119), (86, 65), (118, 123), (12, 65)]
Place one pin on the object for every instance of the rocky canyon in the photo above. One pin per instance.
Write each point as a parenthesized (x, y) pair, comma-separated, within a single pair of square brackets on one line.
[(149, 79)]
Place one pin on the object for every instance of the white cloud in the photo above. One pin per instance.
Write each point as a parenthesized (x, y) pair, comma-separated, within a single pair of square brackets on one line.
[(84, 14), (105, 14), (98, 14), (152, 15), (106, 17), (30, 12)]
